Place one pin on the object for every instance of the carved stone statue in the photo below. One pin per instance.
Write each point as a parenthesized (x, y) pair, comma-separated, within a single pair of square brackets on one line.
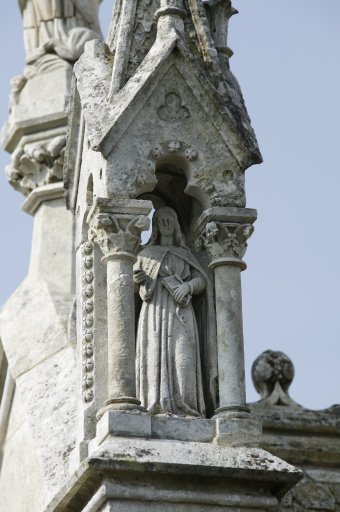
[(176, 363), (58, 26)]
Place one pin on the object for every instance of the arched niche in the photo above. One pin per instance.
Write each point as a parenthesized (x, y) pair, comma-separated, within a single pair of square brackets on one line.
[(170, 190)]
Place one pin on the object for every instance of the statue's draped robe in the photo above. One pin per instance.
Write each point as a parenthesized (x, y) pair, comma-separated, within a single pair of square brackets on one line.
[(70, 22), (169, 367)]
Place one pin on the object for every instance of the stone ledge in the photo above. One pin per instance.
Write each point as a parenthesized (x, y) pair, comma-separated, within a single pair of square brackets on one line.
[(303, 436), (40, 194), (175, 474)]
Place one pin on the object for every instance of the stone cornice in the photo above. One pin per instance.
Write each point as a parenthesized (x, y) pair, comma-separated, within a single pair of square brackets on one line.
[(41, 194)]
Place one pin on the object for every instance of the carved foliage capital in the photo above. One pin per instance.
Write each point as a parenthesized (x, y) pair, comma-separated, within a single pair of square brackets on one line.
[(114, 233), (36, 164), (225, 240)]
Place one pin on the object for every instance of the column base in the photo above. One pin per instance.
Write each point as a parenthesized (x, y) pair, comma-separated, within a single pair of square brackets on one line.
[(232, 411), (124, 403), (238, 432)]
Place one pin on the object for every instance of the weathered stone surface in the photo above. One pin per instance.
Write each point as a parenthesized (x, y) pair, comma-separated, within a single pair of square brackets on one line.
[(48, 395), (22, 475), (42, 362), (34, 304), (224, 432), (52, 250), (200, 455), (183, 429), (176, 474), (16, 418), (123, 424), (238, 432)]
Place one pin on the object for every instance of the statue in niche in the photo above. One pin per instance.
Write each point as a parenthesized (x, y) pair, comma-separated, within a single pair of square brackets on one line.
[(59, 27), (176, 360)]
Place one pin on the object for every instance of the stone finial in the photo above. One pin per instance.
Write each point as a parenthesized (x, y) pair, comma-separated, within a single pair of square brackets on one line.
[(272, 374), (219, 14)]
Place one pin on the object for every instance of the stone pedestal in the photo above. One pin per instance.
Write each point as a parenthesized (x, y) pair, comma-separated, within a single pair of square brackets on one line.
[(140, 463)]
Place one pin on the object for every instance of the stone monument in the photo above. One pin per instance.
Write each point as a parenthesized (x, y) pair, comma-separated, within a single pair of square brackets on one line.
[(126, 392)]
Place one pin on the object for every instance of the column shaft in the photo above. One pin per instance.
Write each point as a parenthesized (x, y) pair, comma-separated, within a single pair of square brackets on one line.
[(230, 337), (121, 328)]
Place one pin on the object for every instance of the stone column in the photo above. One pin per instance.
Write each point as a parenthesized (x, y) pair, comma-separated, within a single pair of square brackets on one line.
[(116, 226), (224, 233)]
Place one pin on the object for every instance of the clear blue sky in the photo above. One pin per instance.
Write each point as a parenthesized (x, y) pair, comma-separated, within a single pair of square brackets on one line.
[(287, 62)]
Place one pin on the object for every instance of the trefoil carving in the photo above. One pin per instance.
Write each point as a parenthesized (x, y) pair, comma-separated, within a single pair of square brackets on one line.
[(172, 110)]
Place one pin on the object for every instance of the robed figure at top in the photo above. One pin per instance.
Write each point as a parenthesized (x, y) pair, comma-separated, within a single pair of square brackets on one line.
[(176, 363), (58, 26)]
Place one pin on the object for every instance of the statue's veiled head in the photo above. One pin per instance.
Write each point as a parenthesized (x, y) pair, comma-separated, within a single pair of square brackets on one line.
[(165, 224)]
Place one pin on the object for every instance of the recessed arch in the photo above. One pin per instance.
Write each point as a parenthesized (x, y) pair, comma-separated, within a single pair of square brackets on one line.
[(170, 190)]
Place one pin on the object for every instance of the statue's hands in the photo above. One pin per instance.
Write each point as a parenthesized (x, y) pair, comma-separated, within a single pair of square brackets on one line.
[(181, 293), (139, 276)]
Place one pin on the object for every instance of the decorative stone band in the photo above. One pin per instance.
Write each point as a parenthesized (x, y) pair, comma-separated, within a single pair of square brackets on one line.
[(88, 319)]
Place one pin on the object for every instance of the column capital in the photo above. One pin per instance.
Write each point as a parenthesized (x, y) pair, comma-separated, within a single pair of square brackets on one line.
[(116, 226), (224, 232)]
